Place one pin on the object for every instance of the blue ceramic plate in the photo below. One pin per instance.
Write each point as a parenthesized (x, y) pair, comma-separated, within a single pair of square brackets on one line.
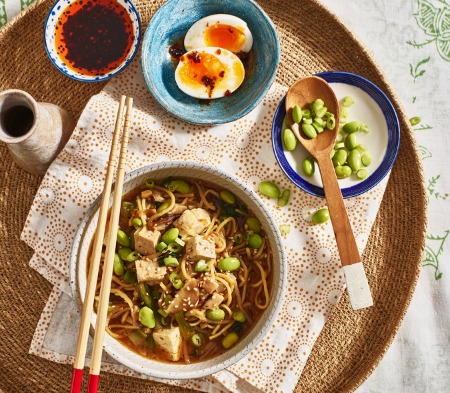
[(371, 107), (170, 24), (49, 39)]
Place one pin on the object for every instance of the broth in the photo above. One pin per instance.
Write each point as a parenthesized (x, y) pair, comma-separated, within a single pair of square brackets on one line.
[(182, 293)]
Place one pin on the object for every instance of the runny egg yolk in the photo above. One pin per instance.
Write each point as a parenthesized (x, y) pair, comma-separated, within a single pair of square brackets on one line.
[(224, 36), (203, 70)]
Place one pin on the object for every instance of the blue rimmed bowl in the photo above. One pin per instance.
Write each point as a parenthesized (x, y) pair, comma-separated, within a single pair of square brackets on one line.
[(170, 24), (50, 33), (371, 107)]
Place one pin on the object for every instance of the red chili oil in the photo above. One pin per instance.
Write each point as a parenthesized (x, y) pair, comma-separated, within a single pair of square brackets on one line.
[(94, 37)]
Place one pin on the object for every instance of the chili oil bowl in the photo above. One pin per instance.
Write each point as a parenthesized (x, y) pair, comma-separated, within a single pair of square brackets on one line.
[(92, 41), (222, 180), (170, 24)]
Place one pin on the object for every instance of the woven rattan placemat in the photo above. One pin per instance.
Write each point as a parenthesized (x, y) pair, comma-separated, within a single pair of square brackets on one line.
[(351, 344)]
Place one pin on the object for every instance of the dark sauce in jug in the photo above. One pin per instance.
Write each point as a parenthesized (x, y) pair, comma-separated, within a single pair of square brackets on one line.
[(94, 37)]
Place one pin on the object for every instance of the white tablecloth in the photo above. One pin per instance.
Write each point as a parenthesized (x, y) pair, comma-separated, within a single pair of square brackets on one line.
[(411, 43)]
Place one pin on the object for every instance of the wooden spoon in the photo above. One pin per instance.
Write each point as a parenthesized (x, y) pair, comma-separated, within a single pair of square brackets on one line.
[(303, 93)]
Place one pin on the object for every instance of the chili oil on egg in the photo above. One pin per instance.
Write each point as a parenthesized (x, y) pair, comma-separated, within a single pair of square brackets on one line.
[(220, 30), (208, 73)]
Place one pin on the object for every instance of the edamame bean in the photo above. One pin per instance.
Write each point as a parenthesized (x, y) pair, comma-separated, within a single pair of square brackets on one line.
[(361, 174), (181, 186), (171, 262), (309, 130), (239, 316), (320, 112), (118, 266), (196, 340), (269, 189), (321, 216), (308, 166), (146, 317), (366, 159), (354, 160), (124, 252), (227, 197), (230, 339), (137, 222), (170, 235), (215, 315), (289, 139), (362, 149), (339, 157), (317, 127), (253, 224), (351, 141), (297, 114), (351, 127), (229, 264), (343, 171), (340, 137), (163, 206), (283, 200), (254, 241), (122, 238)]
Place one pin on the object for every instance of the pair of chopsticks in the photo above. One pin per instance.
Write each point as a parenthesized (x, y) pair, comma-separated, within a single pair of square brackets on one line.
[(102, 311)]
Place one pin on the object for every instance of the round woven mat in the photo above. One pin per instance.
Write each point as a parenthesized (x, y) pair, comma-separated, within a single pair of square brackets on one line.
[(351, 344)]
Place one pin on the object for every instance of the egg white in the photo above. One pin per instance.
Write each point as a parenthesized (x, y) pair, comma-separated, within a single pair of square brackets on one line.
[(233, 78), (195, 36)]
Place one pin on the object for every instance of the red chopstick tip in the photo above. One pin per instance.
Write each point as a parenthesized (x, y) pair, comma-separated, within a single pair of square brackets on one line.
[(77, 379), (93, 383)]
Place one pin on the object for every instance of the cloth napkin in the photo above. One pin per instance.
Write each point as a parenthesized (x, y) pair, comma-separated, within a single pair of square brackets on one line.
[(243, 149)]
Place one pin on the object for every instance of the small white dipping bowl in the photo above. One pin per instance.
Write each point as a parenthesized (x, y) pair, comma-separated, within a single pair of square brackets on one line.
[(78, 271)]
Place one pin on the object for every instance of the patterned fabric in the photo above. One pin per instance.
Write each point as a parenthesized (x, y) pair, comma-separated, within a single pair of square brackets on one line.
[(242, 148)]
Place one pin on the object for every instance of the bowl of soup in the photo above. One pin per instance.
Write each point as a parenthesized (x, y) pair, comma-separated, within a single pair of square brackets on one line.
[(91, 41), (208, 61), (199, 271)]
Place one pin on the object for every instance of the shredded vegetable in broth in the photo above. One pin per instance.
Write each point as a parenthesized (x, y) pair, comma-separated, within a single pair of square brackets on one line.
[(192, 271)]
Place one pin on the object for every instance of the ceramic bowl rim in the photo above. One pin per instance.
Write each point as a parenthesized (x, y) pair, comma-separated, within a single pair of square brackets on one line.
[(90, 78), (279, 249)]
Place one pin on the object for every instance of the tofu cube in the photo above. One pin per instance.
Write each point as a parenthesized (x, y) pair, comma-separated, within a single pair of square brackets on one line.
[(192, 222), (150, 271), (213, 302), (169, 340), (200, 247), (145, 241)]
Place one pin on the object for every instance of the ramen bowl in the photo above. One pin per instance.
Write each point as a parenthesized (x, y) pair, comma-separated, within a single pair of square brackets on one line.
[(170, 24), (100, 38), (190, 170)]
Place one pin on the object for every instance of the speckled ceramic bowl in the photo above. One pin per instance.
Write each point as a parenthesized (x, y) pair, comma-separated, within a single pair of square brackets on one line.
[(192, 170), (170, 24), (49, 39)]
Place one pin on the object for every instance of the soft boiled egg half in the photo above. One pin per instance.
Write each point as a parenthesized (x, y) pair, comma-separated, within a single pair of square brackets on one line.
[(220, 30), (210, 72)]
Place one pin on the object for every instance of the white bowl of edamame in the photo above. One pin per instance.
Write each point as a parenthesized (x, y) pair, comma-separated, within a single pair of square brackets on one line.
[(378, 141)]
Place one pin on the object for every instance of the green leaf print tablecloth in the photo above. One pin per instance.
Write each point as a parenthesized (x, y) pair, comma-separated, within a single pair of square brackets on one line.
[(410, 40)]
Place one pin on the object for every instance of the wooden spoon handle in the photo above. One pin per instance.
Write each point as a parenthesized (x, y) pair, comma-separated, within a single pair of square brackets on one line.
[(348, 251), (355, 277)]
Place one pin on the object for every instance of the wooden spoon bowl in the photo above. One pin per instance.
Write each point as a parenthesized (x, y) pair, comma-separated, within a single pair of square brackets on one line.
[(302, 93)]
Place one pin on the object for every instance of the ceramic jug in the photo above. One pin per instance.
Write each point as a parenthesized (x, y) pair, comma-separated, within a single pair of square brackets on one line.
[(35, 132)]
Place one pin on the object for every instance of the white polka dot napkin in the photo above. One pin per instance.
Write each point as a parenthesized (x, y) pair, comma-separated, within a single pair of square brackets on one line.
[(242, 148)]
